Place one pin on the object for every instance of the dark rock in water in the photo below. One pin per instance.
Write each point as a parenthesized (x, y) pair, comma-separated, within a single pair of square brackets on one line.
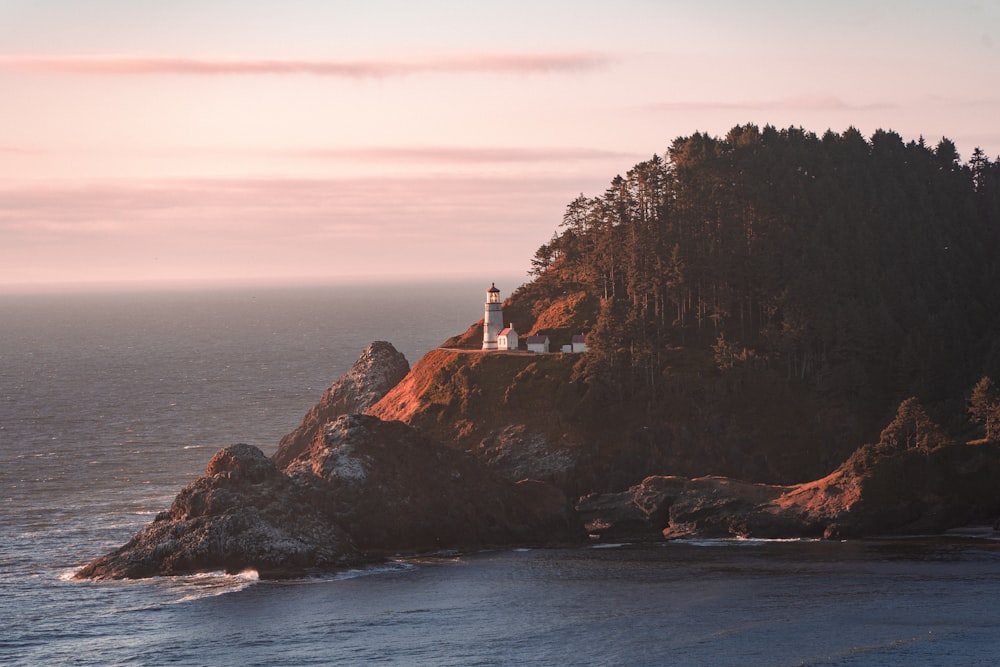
[(674, 507), (877, 491), (379, 368), (244, 513), (363, 490), (637, 514)]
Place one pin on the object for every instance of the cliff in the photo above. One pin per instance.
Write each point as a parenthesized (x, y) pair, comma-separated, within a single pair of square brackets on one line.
[(367, 486), (379, 368), (514, 411), (875, 492), (365, 490), (536, 416)]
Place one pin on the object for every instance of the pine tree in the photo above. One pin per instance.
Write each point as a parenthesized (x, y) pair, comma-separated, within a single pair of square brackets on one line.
[(984, 407), (912, 428)]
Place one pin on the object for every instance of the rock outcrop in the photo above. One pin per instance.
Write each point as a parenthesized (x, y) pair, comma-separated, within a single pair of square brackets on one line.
[(242, 514), (363, 490), (515, 412), (357, 488), (379, 368), (876, 492), (394, 490)]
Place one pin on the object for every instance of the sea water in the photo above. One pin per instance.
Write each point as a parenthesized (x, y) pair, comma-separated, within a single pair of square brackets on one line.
[(111, 402)]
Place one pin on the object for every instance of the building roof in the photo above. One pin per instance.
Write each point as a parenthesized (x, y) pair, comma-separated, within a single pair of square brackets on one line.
[(507, 331), (579, 338), (493, 288), (537, 339)]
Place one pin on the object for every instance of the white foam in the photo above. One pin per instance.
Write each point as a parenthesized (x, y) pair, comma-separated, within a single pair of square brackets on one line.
[(210, 584), (740, 541)]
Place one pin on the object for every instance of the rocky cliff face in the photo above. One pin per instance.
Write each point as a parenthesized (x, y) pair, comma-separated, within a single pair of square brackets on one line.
[(379, 368), (363, 490), (874, 493), (361, 487), (393, 489), (529, 416), (243, 513), (514, 412)]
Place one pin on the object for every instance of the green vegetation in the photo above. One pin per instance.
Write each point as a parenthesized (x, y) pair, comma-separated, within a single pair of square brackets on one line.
[(984, 407), (864, 271)]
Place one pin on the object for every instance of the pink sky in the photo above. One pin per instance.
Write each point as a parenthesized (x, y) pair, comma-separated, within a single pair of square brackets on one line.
[(187, 140)]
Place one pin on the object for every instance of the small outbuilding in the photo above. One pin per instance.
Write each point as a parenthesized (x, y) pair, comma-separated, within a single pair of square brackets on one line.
[(538, 344), (579, 343), (507, 339)]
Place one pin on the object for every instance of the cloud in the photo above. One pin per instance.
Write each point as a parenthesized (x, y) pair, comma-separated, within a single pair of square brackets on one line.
[(518, 63), (800, 103), (461, 155)]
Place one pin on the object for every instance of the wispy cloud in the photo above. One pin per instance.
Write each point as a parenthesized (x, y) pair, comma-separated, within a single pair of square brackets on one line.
[(522, 63), (800, 103), (461, 155)]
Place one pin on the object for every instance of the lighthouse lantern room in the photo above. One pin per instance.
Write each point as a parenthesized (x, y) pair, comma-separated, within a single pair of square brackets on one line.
[(492, 318)]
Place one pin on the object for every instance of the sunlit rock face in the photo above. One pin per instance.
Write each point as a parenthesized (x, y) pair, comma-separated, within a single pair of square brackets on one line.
[(379, 368), (877, 491)]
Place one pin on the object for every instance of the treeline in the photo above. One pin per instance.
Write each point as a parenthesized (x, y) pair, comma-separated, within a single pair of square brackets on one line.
[(863, 267)]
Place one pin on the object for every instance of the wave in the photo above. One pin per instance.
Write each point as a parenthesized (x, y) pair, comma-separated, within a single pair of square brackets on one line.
[(209, 584), (390, 567), (188, 587), (739, 541)]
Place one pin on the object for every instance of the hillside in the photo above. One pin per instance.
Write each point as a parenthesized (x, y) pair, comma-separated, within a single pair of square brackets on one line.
[(756, 306)]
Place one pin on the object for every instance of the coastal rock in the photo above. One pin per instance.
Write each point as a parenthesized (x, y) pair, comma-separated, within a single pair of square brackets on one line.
[(514, 412), (379, 368), (517, 452), (673, 507), (876, 492), (363, 490), (242, 514), (393, 490)]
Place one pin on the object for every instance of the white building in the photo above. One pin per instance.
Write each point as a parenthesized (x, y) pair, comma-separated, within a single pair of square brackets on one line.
[(507, 339), (539, 344), (579, 343), (492, 319)]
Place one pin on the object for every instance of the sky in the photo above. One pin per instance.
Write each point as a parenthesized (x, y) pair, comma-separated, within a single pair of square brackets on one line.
[(267, 141)]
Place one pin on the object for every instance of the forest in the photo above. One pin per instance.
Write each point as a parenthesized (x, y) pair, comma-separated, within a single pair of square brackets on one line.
[(864, 269)]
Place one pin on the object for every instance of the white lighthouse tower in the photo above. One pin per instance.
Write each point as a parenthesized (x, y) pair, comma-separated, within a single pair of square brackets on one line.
[(492, 318)]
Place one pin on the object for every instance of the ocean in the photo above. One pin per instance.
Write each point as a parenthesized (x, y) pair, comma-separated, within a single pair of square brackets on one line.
[(110, 403)]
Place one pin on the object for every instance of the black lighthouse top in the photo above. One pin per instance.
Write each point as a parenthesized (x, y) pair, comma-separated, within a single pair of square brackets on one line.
[(493, 294)]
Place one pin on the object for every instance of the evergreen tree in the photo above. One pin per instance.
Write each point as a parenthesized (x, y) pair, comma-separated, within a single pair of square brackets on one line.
[(912, 428), (984, 407)]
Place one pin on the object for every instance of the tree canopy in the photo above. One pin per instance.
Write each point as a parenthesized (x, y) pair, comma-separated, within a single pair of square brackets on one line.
[(864, 268)]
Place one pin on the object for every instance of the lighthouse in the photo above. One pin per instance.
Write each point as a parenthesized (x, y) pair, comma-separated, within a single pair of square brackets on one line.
[(492, 318)]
